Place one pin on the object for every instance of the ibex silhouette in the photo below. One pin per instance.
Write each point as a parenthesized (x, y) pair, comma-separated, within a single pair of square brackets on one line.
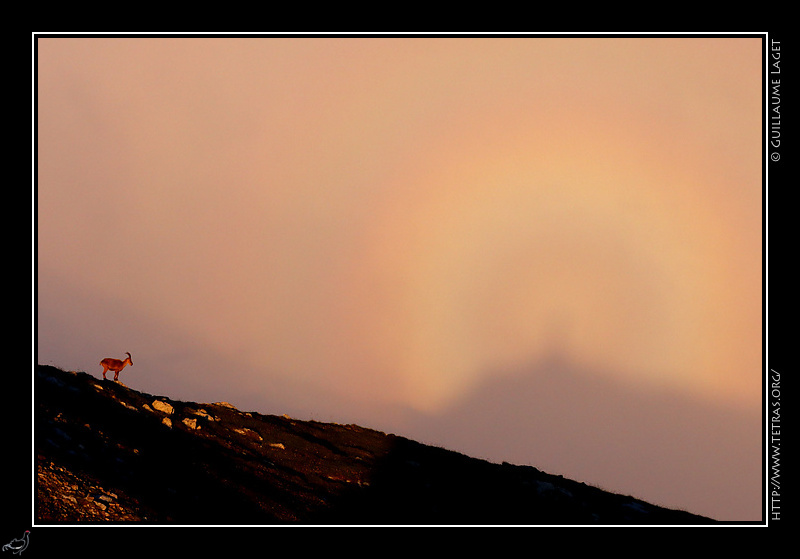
[(110, 364)]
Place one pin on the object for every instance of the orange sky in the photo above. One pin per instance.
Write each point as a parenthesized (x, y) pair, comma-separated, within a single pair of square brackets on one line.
[(382, 230)]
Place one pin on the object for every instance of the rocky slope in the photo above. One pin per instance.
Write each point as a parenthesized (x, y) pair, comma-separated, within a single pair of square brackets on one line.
[(106, 453)]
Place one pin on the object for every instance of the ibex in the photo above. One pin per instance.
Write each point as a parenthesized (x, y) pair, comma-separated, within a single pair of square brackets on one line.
[(115, 365)]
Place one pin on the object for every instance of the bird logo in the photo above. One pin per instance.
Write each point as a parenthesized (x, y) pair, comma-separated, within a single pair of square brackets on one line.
[(17, 546)]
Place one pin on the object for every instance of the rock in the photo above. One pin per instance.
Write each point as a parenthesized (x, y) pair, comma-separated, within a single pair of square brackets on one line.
[(225, 405), (638, 507), (167, 421), (205, 414), (190, 422), (277, 445), (163, 407), (55, 381), (127, 405), (249, 433)]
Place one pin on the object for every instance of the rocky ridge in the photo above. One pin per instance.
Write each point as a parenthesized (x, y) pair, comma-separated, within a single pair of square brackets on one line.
[(106, 453)]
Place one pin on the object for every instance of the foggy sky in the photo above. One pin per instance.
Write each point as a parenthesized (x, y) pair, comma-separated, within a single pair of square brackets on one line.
[(544, 251)]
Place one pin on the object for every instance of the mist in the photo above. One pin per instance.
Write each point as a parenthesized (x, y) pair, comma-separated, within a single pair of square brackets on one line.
[(538, 250)]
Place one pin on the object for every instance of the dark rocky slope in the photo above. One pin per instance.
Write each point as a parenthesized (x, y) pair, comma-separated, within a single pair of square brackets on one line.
[(106, 453)]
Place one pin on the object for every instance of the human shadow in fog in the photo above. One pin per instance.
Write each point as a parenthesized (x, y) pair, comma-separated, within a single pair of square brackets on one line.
[(658, 445)]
